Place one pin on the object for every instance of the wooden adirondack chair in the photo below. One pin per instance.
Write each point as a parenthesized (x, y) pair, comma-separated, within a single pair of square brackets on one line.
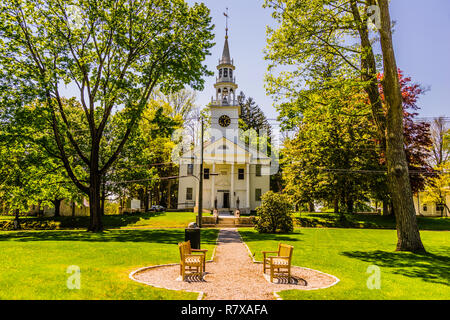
[(199, 251), (281, 262), (188, 260)]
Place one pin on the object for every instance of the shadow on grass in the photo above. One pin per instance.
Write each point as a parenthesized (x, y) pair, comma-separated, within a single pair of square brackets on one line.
[(327, 216), (333, 220), (249, 236), (109, 221), (80, 222), (168, 236), (430, 267), (369, 221)]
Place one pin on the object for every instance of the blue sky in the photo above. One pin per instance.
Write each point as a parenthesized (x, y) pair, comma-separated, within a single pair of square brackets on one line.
[(421, 39)]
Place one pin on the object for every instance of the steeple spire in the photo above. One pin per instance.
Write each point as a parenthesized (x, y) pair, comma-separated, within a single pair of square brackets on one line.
[(226, 51)]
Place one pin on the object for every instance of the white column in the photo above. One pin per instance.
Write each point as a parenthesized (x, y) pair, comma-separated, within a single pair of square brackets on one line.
[(213, 185), (248, 185), (232, 204)]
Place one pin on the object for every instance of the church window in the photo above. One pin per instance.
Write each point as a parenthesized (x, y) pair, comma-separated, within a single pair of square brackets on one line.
[(257, 194), (206, 173), (220, 73), (225, 95), (225, 72), (241, 174), (190, 169), (231, 73), (188, 193), (258, 170)]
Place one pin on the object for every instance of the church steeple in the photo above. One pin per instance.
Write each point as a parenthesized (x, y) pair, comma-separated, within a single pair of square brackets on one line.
[(225, 82), (226, 50), (225, 109)]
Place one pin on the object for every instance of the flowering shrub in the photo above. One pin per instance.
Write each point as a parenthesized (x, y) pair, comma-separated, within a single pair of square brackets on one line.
[(274, 214)]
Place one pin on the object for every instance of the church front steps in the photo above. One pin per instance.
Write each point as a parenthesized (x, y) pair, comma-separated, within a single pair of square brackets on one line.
[(227, 222)]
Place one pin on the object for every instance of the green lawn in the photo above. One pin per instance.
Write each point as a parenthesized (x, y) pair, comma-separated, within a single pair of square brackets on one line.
[(347, 253), (137, 220), (33, 264)]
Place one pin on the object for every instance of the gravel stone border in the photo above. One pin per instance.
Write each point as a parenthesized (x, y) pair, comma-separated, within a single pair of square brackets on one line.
[(232, 274)]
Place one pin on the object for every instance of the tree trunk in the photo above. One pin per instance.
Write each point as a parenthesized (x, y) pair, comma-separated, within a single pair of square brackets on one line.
[(385, 207), (146, 199), (95, 216), (57, 204), (103, 197), (336, 205), (16, 222), (398, 174), (311, 206), (370, 72), (102, 205), (391, 209), (151, 196), (158, 195), (448, 210), (341, 213), (73, 208), (350, 205), (169, 195)]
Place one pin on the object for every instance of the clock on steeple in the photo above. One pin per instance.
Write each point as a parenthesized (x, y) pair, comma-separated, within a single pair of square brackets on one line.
[(224, 120)]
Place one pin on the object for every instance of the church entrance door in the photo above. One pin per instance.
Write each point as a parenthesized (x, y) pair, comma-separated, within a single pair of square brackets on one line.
[(226, 200)]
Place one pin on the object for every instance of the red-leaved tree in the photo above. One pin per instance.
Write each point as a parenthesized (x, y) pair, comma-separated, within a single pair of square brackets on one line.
[(417, 134)]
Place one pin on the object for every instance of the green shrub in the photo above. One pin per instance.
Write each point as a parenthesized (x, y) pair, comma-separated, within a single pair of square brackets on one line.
[(25, 224), (274, 214)]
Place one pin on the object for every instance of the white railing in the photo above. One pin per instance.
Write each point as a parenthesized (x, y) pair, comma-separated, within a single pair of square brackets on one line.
[(225, 79), (224, 102)]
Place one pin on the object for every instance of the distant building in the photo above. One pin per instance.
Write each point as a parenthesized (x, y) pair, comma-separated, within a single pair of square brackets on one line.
[(66, 208), (427, 208)]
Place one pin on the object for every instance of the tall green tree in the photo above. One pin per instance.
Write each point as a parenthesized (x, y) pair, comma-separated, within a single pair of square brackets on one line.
[(114, 53), (252, 117), (144, 165), (332, 153), (440, 141), (438, 188), (330, 43), (397, 165)]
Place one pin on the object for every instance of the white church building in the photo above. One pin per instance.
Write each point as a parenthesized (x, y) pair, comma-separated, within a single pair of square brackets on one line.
[(235, 175)]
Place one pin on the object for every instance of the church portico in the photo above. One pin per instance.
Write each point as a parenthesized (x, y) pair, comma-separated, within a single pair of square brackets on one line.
[(227, 189)]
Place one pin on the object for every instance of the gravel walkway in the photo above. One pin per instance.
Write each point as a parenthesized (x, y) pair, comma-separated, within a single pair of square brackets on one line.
[(233, 275)]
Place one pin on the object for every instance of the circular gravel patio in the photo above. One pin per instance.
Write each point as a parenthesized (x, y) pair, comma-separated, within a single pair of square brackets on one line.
[(233, 275)]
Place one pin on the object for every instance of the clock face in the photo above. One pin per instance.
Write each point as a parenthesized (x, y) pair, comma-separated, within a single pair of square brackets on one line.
[(224, 121)]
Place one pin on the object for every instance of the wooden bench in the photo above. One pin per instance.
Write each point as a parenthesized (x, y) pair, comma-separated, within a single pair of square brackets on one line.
[(281, 262), (189, 258)]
